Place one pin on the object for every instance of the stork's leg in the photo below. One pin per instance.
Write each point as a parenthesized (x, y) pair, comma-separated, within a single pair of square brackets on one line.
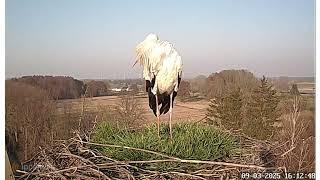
[(158, 115), (170, 114)]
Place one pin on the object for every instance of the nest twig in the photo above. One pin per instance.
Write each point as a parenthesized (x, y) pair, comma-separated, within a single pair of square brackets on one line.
[(76, 159)]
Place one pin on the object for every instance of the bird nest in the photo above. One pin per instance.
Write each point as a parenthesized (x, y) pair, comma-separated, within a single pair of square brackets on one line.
[(78, 159)]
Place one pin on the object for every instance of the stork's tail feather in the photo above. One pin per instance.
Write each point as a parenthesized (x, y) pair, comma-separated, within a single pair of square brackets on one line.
[(163, 99), (166, 102)]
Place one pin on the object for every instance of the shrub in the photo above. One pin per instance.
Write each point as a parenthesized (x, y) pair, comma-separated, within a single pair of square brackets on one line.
[(128, 112), (184, 89), (190, 141), (28, 119), (297, 152)]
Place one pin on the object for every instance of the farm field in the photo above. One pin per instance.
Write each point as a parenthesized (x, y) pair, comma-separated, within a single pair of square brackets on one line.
[(182, 111), (306, 87)]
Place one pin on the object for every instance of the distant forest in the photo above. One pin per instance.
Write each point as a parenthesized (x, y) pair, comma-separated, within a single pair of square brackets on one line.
[(63, 87), (66, 87)]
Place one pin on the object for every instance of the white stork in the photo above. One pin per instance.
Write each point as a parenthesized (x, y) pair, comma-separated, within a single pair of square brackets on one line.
[(162, 70)]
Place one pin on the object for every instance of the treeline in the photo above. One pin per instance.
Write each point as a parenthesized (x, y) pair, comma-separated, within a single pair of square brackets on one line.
[(228, 80), (219, 83), (96, 88), (65, 87), (58, 87)]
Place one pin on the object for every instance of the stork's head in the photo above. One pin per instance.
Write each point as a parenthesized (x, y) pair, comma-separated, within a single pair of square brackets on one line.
[(152, 37), (143, 46)]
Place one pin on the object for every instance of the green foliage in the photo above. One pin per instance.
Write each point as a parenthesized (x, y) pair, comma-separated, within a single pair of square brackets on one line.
[(255, 115), (190, 141), (262, 111), (213, 115), (226, 110)]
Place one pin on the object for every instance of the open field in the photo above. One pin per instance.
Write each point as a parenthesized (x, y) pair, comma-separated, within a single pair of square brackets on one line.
[(182, 111), (307, 87)]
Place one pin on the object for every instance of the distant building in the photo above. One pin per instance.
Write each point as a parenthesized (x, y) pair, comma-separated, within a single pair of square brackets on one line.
[(125, 88), (116, 89), (121, 89)]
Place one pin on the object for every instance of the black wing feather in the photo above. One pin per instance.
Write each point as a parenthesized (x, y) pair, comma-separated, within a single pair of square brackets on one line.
[(163, 99), (166, 99), (152, 97)]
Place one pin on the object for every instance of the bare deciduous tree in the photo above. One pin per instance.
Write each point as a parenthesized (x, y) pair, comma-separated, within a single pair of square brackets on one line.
[(29, 122), (297, 152), (96, 88), (129, 111), (184, 89), (228, 80), (58, 87)]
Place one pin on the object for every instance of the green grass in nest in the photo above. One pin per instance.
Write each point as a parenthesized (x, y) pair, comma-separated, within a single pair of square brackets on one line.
[(190, 141)]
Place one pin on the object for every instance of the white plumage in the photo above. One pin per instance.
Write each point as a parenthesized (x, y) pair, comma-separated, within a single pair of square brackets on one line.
[(160, 59), (162, 70)]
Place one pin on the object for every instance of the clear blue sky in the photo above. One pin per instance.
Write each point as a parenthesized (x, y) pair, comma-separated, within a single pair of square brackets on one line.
[(96, 38)]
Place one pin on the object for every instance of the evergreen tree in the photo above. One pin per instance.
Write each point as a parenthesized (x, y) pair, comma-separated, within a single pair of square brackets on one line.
[(226, 110), (262, 111), (213, 115)]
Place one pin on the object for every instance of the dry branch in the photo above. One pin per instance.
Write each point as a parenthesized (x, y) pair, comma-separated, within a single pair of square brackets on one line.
[(76, 159), (132, 148)]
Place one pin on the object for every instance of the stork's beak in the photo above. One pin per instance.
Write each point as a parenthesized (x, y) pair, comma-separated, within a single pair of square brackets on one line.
[(135, 63)]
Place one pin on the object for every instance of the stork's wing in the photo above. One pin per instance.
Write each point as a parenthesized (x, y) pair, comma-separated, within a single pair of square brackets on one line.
[(166, 99), (152, 97), (150, 54)]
